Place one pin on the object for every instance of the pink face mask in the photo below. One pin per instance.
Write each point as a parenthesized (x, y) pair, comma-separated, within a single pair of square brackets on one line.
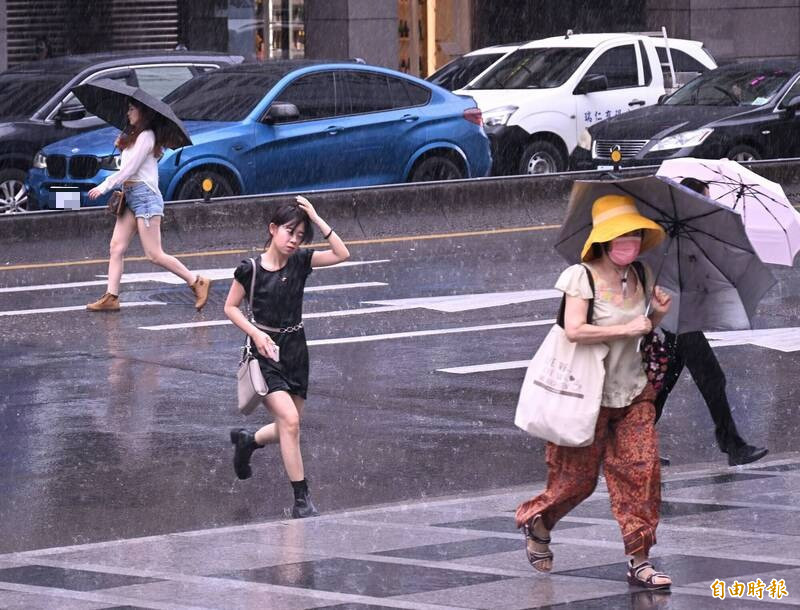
[(624, 250)]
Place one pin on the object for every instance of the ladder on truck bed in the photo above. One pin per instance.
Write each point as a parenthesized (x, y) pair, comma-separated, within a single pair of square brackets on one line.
[(664, 64)]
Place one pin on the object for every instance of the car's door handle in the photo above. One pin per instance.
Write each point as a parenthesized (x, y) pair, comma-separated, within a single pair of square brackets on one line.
[(636, 103), (410, 118), (333, 130)]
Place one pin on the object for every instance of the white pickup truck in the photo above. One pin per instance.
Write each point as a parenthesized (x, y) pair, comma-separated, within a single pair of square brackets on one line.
[(538, 101)]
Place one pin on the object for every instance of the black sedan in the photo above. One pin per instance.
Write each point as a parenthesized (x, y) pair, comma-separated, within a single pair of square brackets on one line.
[(742, 111), (37, 107)]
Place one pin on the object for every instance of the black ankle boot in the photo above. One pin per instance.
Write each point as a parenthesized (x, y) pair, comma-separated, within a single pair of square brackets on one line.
[(244, 443), (303, 506)]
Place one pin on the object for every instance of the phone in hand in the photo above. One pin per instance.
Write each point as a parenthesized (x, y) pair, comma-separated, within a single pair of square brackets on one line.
[(277, 352)]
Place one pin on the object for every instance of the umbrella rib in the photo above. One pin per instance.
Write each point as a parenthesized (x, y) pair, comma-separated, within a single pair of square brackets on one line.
[(647, 203), (689, 230)]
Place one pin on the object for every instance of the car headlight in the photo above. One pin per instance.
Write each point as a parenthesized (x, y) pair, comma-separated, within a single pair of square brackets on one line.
[(498, 116), (112, 162), (40, 161), (585, 140), (682, 140)]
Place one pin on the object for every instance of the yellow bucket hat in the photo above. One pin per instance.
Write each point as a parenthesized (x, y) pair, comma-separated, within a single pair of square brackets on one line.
[(615, 215)]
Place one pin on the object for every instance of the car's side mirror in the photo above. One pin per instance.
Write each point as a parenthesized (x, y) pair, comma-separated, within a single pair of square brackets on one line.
[(662, 97), (70, 113), (792, 105), (591, 83), (281, 112)]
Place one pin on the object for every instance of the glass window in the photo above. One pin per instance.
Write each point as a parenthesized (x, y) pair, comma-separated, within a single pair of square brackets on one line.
[(23, 94), (461, 71), (364, 92), (682, 62), (793, 92), (313, 94), (404, 94), (734, 86), (619, 67), (541, 68), (221, 96), (161, 80)]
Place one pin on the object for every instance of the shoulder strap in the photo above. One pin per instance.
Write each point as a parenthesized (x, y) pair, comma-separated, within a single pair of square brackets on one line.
[(589, 312), (639, 268), (252, 288)]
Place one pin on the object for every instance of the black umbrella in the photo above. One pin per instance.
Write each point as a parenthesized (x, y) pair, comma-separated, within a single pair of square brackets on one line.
[(108, 99)]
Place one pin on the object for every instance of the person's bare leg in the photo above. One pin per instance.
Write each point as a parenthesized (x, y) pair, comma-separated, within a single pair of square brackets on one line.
[(268, 435), (287, 422), (151, 243), (124, 230)]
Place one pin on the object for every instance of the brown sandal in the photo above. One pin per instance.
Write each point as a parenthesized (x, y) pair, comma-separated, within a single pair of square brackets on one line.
[(635, 577), (536, 557)]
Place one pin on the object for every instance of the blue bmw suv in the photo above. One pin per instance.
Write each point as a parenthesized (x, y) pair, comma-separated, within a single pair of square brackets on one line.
[(289, 126)]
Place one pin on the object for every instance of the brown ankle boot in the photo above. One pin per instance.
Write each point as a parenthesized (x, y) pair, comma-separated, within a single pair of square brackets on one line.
[(200, 288), (107, 302)]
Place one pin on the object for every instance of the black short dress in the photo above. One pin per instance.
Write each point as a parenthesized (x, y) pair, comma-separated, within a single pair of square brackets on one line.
[(278, 302)]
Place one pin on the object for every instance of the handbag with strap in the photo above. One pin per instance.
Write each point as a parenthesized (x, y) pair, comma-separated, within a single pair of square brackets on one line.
[(657, 351), (251, 385), (560, 396), (116, 203)]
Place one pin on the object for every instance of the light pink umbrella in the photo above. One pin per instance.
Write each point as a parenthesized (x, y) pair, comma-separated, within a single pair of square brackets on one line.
[(770, 220)]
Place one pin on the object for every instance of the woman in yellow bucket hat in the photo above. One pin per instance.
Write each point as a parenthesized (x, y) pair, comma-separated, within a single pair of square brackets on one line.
[(625, 439)]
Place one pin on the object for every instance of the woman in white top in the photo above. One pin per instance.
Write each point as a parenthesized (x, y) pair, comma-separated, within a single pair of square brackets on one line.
[(625, 440), (141, 147)]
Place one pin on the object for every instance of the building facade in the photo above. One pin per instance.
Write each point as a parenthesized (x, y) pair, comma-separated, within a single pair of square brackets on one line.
[(415, 36)]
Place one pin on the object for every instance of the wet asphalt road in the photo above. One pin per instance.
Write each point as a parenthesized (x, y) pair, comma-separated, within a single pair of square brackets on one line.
[(113, 431)]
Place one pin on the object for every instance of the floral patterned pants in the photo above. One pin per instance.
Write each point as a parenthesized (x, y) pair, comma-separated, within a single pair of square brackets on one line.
[(625, 442)]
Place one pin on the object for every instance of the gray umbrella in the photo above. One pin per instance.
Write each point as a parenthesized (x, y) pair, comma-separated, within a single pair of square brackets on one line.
[(706, 261), (108, 99)]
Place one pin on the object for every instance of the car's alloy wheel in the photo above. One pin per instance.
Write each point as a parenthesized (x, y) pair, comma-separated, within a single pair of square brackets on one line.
[(743, 153), (13, 194), (541, 157), (436, 168), (192, 186)]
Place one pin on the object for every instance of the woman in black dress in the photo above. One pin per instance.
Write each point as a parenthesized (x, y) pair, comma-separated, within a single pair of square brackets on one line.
[(281, 273)]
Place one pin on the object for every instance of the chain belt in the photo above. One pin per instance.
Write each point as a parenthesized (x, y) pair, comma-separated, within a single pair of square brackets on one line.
[(280, 331)]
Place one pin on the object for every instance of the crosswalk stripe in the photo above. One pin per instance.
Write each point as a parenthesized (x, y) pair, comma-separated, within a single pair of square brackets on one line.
[(429, 333), (483, 368), (25, 312)]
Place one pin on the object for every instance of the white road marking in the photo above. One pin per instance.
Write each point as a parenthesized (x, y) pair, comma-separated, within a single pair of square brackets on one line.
[(482, 368), (318, 314), (225, 273), (466, 302), (428, 333), (25, 312), (451, 303), (164, 277), (780, 339)]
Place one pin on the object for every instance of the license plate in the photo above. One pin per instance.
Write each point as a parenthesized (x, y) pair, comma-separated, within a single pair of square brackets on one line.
[(67, 198), (605, 167)]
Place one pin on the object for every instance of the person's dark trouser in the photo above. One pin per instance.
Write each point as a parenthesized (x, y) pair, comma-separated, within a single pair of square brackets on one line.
[(694, 352)]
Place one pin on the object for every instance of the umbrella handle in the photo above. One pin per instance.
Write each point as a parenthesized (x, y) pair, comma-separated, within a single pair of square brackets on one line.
[(653, 289)]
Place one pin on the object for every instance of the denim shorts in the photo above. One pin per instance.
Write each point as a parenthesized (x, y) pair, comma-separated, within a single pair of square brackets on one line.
[(143, 201)]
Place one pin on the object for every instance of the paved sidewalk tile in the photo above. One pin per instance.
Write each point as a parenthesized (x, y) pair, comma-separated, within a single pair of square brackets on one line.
[(458, 552)]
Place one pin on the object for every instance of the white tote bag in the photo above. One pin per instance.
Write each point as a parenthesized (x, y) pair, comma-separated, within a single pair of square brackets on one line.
[(560, 397)]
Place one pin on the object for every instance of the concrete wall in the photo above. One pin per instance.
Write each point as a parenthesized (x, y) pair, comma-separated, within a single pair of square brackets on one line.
[(3, 36), (368, 213), (732, 29), (342, 29)]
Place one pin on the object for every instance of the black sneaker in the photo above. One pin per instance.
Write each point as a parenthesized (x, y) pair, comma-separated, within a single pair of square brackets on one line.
[(304, 507), (244, 443), (745, 454)]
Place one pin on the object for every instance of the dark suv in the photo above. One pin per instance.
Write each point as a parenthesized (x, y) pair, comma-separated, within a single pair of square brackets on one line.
[(37, 108)]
